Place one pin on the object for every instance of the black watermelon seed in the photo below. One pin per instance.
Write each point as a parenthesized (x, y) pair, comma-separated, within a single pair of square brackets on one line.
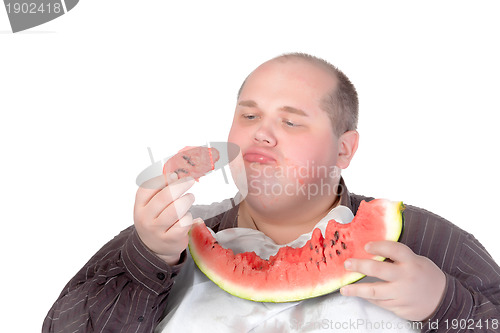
[(338, 252), (336, 235), (331, 256), (310, 259), (188, 159), (317, 251), (310, 246), (181, 170), (343, 245), (324, 259), (333, 242)]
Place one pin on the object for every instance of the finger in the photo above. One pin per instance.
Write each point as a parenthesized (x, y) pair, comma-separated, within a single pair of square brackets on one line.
[(398, 252), (165, 197), (180, 186), (183, 204), (381, 291), (389, 304), (148, 189), (186, 220), (175, 211), (383, 270), (182, 226), (151, 187), (179, 234)]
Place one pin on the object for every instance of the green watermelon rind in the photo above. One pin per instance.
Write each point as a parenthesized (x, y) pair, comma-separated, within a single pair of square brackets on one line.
[(396, 218)]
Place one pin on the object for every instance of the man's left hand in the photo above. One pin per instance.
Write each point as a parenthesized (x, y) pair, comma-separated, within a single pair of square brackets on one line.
[(412, 285)]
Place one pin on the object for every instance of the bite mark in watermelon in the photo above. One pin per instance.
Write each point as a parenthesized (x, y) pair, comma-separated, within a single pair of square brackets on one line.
[(293, 274), (192, 161)]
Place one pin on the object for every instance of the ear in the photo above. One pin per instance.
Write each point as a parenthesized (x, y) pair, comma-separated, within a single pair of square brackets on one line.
[(348, 144)]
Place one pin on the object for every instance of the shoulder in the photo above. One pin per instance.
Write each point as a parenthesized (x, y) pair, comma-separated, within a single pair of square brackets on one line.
[(425, 232)]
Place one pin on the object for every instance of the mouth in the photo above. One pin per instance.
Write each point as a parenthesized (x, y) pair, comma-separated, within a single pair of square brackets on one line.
[(258, 156)]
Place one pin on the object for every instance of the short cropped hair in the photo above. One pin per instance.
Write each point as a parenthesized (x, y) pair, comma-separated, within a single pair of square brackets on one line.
[(341, 104)]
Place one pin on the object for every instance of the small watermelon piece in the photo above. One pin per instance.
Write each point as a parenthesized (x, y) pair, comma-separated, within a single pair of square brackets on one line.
[(192, 161), (293, 274)]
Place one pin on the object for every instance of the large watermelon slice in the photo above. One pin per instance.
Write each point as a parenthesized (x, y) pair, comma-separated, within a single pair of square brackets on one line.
[(192, 161), (293, 274)]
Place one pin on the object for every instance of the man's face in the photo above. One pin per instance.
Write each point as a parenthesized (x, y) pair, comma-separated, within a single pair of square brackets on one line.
[(286, 139)]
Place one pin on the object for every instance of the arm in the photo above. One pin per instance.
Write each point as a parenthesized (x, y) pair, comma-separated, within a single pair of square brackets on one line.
[(123, 286), (471, 300), (126, 284)]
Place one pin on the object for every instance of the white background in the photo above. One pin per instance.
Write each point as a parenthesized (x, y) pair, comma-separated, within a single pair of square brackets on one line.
[(83, 96)]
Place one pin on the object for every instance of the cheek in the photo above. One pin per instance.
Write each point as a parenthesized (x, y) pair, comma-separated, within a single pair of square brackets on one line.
[(235, 134), (313, 158), (301, 154), (318, 148)]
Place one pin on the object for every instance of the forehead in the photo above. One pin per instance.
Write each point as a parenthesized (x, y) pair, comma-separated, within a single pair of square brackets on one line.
[(293, 76)]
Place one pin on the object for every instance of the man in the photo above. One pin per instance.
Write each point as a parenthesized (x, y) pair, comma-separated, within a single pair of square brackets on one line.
[(294, 112)]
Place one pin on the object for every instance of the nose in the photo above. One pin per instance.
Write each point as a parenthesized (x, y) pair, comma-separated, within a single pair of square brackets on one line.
[(264, 136)]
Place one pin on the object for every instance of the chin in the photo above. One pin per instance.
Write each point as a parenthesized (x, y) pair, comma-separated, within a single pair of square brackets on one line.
[(266, 203)]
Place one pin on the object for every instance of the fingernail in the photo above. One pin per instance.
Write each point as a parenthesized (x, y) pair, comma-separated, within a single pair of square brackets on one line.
[(185, 221), (173, 177), (198, 220), (368, 247), (347, 264), (344, 291)]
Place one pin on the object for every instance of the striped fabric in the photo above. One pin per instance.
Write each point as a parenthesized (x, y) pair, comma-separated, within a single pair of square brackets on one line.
[(471, 301), (124, 287)]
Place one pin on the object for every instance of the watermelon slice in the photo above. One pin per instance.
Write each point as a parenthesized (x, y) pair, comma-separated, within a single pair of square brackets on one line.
[(293, 274), (192, 161)]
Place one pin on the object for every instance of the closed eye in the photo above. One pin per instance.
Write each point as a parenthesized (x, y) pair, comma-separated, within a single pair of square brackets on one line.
[(290, 123), (249, 116)]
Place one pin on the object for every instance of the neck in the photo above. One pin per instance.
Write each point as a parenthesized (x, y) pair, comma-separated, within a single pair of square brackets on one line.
[(284, 228)]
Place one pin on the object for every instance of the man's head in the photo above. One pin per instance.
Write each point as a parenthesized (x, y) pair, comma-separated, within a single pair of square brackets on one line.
[(341, 102), (283, 125)]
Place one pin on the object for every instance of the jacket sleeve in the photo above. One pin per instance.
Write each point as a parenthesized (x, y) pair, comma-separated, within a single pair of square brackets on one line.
[(471, 302), (123, 288)]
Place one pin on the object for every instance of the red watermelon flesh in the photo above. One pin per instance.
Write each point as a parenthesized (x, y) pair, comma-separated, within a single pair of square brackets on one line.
[(192, 161), (292, 274)]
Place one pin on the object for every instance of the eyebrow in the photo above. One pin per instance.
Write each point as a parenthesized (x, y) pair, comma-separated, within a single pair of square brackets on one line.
[(249, 103), (289, 109), (294, 110)]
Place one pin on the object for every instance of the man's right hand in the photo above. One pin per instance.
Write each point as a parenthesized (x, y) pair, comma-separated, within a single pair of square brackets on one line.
[(161, 215)]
